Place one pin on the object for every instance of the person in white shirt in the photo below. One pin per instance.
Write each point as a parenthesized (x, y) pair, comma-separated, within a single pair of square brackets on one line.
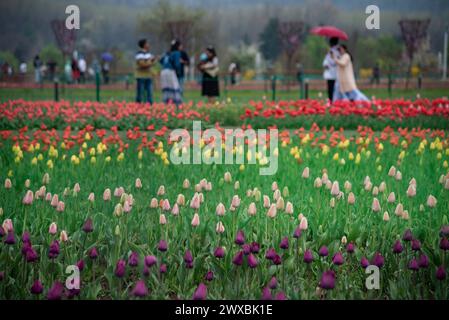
[(330, 67), (82, 66)]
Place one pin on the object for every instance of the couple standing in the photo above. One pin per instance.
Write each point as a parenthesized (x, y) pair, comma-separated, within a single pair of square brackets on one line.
[(172, 75), (339, 73)]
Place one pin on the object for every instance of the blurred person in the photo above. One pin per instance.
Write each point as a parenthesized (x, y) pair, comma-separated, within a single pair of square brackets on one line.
[(185, 63), (75, 71), (330, 67), (82, 65), (105, 67), (375, 79), (51, 67), (209, 68), (346, 88), (37, 64), (144, 60), (23, 68), (68, 71), (171, 65), (233, 73)]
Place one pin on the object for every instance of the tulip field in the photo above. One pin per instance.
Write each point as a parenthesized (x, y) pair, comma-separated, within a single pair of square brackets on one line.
[(89, 189)]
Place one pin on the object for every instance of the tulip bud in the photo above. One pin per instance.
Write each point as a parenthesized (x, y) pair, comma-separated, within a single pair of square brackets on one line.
[(411, 191), (195, 202), (391, 197), (399, 210), (76, 188), (317, 183), (118, 210), (235, 201), (54, 201), (289, 208), (1, 212), (186, 184), (375, 191), (91, 197), (274, 186), (166, 205), (431, 201), (405, 215), (63, 237), (127, 207), (306, 173), (28, 199), (8, 183), (303, 225), (7, 226), (285, 192), (280, 205), (53, 229), (220, 210), (175, 210), (60, 207), (335, 189), (252, 209), (237, 185), (196, 220), (276, 195), (257, 195), (398, 175), (161, 191), (382, 187), (348, 186), (48, 197), (107, 195), (162, 219), (180, 200), (27, 183), (266, 202), (392, 171), (220, 227), (344, 240), (351, 198), (227, 177), (376, 205), (154, 204), (271, 213), (117, 231), (386, 216)]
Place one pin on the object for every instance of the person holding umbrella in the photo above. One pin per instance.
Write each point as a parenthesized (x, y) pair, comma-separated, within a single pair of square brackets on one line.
[(330, 67)]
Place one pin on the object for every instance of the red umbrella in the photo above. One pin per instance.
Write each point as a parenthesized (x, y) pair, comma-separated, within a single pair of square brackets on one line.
[(329, 31)]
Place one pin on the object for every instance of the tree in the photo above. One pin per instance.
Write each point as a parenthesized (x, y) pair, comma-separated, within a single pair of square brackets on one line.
[(270, 41)]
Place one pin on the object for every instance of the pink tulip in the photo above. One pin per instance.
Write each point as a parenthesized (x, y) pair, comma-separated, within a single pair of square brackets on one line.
[(235, 201), (60, 207), (274, 186), (386, 216), (318, 183), (46, 178), (48, 197), (196, 220), (27, 183), (154, 204), (289, 208), (161, 191), (8, 183), (391, 197), (227, 177), (276, 194), (166, 205), (306, 173), (280, 205), (303, 225), (7, 225), (203, 183), (195, 202), (127, 207), (332, 203), (54, 201), (28, 199), (392, 171), (76, 188), (382, 187), (399, 210), (220, 227), (198, 188), (162, 219), (375, 191), (175, 210), (91, 197), (266, 202), (376, 205), (107, 195), (324, 178), (431, 201), (220, 210), (209, 186), (118, 192), (398, 175), (186, 184), (138, 184), (351, 198), (53, 229), (405, 215), (252, 209), (271, 213), (181, 200), (348, 186), (411, 191), (335, 189), (63, 237)]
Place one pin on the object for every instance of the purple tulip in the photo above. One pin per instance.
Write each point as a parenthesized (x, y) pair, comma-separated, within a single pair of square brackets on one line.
[(25, 248), (408, 236), (338, 259), (255, 247), (416, 245), (2, 232), (71, 293), (162, 246), (200, 292), (364, 262), (271, 253), (277, 260), (80, 265), (397, 247), (444, 244), (133, 259), (10, 239), (246, 249), (145, 271), (55, 292), (54, 250), (323, 252), (37, 287), (284, 243), (413, 265), (209, 275), (120, 268), (308, 256), (219, 252), (26, 237), (88, 226), (297, 233), (31, 255), (266, 294), (423, 261), (281, 296), (441, 273), (444, 231), (238, 258), (350, 248), (93, 253), (328, 280), (163, 268), (273, 284), (252, 261), (378, 260), (150, 261), (140, 290), (188, 258), (240, 238)]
